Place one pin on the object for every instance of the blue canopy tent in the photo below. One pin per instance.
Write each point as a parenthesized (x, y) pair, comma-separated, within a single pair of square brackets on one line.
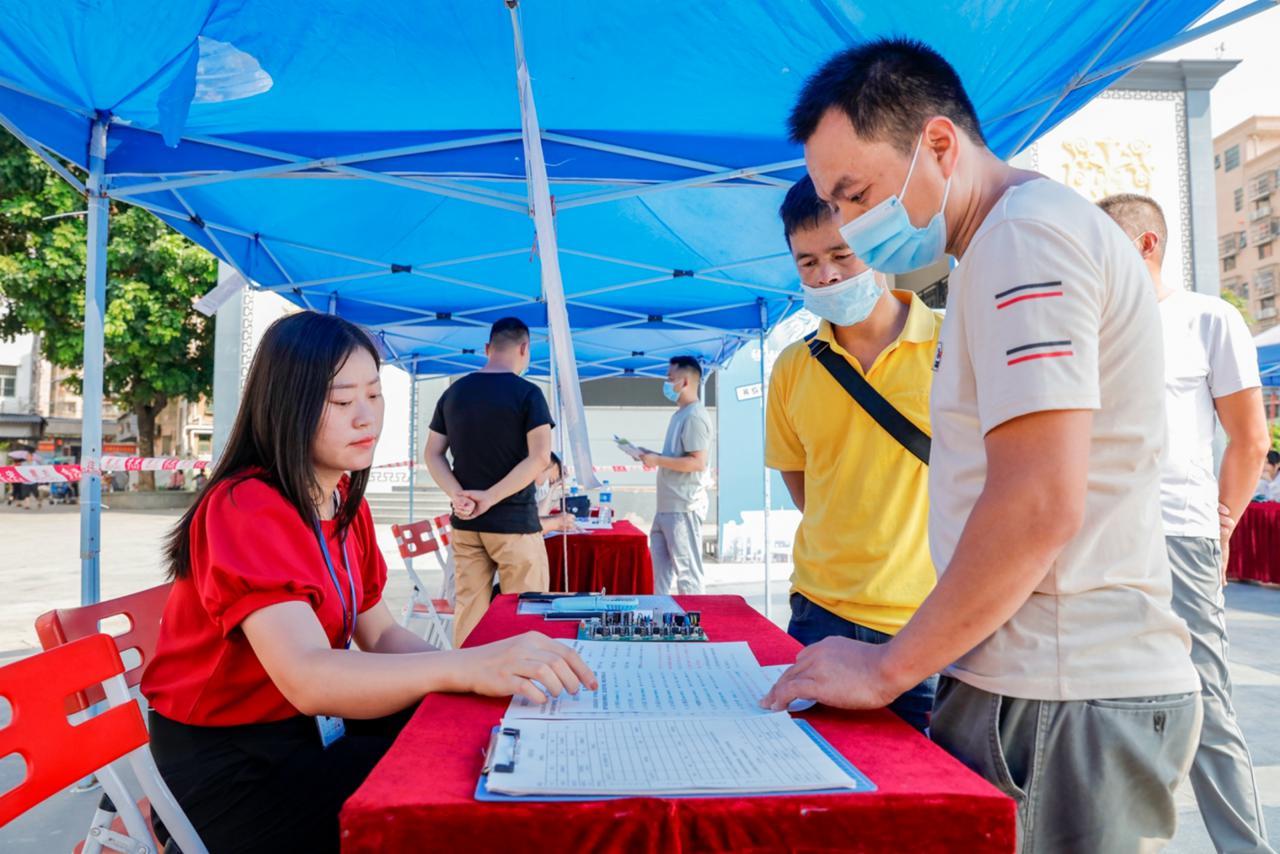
[(390, 164)]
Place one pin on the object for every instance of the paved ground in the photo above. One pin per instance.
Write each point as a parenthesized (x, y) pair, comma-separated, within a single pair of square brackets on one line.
[(39, 570)]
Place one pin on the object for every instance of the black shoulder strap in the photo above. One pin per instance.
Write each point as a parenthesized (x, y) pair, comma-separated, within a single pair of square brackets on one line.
[(872, 402)]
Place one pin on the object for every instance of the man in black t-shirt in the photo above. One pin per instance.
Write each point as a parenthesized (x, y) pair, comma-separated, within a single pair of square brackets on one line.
[(497, 428)]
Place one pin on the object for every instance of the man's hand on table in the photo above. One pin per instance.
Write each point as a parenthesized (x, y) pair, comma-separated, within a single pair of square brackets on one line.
[(508, 667), (836, 672)]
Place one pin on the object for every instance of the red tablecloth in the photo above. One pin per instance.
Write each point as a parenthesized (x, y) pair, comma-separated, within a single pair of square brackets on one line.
[(1255, 545), (420, 797), (615, 560)]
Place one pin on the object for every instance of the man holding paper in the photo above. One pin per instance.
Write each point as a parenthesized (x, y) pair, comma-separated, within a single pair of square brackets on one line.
[(675, 540)]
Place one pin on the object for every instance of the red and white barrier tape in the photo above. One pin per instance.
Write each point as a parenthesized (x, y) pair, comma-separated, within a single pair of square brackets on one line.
[(70, 473)]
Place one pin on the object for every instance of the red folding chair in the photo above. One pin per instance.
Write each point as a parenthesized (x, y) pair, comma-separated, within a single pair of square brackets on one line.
[(418, 539), (57, 752), (143, 611)]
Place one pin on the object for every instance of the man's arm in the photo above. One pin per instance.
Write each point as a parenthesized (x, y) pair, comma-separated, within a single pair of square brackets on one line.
[(442, 473), (690, 462), (1030, 508), (524, 473), (1245, 422), (795, 486)]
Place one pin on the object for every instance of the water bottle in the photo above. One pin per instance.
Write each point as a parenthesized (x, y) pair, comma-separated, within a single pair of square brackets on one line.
[(606, 504)]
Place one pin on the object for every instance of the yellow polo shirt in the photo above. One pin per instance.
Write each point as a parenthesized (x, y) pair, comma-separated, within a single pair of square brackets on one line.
[(862, 549)]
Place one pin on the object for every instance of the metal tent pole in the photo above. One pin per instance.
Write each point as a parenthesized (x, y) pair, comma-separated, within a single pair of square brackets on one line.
[(95, 305), (764, 427), (413, 438)]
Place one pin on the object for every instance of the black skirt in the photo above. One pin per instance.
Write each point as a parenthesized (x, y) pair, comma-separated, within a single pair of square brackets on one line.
[(268, 787)]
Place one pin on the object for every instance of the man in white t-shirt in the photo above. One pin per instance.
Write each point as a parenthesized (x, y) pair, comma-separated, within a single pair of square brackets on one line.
[(1067, 677), (1211, 369)]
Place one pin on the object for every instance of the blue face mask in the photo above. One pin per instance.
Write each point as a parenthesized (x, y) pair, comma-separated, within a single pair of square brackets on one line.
[(886, 240), (669, 392), (844, 303)]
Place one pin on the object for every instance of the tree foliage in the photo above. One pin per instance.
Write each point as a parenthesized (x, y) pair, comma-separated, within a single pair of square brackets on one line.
[(158, 348)]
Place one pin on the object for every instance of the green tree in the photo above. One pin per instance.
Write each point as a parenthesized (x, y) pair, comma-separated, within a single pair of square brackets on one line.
[(158, 347), (1240, 305)]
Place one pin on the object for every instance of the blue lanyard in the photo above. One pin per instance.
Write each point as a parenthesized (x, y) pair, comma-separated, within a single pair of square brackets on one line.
[(348, 620)]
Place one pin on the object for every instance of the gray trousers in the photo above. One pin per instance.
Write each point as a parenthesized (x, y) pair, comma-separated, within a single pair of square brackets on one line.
[(1222, 773), (675, 543), (1088, 776)]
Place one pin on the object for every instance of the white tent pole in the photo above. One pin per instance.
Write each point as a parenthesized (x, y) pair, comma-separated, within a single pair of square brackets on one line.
[(764, 428), (95, 306), (413, 438), (541, 209)]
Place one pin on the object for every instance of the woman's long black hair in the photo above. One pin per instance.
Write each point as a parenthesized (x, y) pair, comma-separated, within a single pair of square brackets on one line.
[(275, 429)]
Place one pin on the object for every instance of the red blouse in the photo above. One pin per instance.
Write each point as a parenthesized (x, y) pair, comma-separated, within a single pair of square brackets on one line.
[(250, 549)]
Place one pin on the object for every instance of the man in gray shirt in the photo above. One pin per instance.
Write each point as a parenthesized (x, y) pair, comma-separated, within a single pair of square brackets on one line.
[(676, 537)]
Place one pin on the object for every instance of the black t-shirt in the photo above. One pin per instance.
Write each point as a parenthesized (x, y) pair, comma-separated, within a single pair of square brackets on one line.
[(487, 418)]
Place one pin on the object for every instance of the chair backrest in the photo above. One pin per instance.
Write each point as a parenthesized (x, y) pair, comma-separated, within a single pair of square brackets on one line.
[(56, 752), (444, 527), (143, 610), (415, 539)]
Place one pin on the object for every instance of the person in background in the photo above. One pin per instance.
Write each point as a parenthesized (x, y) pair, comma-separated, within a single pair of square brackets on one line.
[(861, 560), (280, 677), (675, 540), (497, 427), (1069, 683), (1211, 375), (548, 489), (1268, 488)]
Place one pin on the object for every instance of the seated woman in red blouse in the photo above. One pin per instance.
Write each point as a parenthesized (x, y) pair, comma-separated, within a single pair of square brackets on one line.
[(280, 677)]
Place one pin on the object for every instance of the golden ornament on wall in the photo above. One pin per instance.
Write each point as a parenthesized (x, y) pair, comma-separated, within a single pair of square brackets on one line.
[(1103, 167)]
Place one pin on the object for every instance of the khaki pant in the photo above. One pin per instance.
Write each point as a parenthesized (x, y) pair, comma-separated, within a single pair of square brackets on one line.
[(520, 561), (1087, 775), (1222, 774)]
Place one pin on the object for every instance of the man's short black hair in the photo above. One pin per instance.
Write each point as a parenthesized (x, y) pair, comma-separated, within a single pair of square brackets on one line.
[(1273, 457), (507, 332), (888, 88), (802, 208), (687, 363), (1138, 214)]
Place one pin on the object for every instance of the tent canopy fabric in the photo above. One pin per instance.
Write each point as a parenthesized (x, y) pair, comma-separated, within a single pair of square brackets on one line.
[(369, 160)]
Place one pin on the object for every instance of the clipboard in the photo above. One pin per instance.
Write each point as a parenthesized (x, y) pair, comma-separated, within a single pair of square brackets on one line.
[(863, 784)]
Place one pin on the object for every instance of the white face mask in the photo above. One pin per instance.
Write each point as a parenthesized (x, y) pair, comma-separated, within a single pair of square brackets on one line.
[(844, 303), (541, 492)]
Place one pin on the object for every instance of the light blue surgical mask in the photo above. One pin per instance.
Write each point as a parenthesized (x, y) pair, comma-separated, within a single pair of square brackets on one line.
[(669, 392), (844, 303), (886, 240)]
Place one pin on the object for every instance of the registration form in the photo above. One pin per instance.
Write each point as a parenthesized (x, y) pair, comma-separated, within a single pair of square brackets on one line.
[(653, 679), (765, 753)]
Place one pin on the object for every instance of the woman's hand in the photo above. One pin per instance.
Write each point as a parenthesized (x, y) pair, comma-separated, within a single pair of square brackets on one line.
[(508, 667)]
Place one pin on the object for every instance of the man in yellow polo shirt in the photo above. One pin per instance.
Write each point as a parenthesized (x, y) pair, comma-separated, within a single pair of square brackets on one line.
[(862, 563)]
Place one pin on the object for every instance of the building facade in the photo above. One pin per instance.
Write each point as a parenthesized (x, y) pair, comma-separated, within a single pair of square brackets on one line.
[(1246, 168)]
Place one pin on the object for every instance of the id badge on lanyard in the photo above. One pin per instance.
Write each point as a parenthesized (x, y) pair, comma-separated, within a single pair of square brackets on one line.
[(333, 727)]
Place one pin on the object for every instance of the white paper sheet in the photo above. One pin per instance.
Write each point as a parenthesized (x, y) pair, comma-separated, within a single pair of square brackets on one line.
[(769, 753), (655, 679)]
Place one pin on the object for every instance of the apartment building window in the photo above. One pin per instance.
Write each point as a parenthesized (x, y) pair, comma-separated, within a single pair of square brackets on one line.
[(1228, 264), (8, 381), (1217, 161), (1266, 308), (1237, 199), (1231, 158), (1264, 251)]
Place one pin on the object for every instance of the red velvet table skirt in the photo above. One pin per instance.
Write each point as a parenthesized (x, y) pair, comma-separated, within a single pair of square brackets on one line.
[(420, 797), (616, 561), (1255, 545)]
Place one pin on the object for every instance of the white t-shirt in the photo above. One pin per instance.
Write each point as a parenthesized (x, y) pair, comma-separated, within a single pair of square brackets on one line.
[(1208, 353), (1051, 309)]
